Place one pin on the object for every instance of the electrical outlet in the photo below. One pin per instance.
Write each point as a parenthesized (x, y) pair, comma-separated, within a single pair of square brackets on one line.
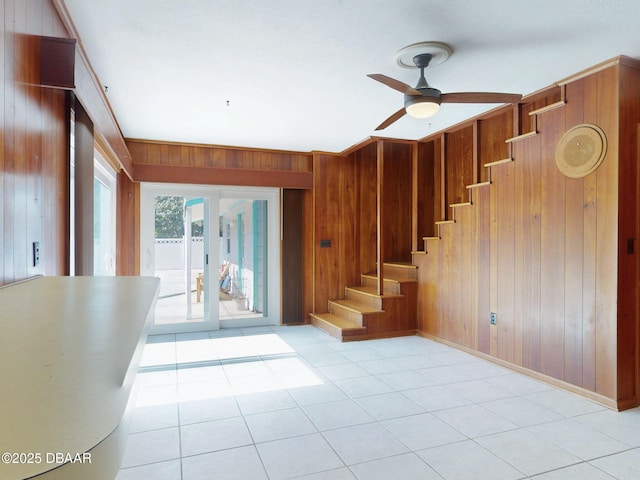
[(36, 254), (494, 318)]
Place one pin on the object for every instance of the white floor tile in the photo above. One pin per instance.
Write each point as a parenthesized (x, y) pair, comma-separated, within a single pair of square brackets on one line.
[(265, 401), (418, 432), (406, 380), (150, 447), (480, 390), (283, 459), (215, 435), (363, 443), (564, 403), (474, 420), (467, 460), (200, 373), (379, 367), (578, 439), (161, 376), (342, 371), (522, 412), (337, 474), (623, 466), (414, 362), (519, 384), (582, 471), (343, 413), (278, 424), (196, 411), (527, 452), (315, 394), (438, 397), (193, 391), (403, 467), (388, 405), (362, 386), (154, 417), (250, 402), (241, 463), (623, 426), (157, 395), (169, 470)]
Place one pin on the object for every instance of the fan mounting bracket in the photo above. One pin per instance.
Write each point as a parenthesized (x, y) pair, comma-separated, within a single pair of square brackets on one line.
[(439, 52)]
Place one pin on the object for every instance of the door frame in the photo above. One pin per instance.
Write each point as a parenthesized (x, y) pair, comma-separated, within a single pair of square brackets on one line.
[(211, 195)]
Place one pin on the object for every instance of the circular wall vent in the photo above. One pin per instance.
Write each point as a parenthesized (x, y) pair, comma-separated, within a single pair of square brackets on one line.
[(581, 150)]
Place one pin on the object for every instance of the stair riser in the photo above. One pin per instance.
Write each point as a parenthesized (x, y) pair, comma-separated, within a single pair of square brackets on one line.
[(390, 287), (365, 299), (340, 311), (400, 272), (326, 327)]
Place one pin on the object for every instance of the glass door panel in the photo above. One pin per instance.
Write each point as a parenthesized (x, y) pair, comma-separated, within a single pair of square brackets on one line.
[(211, 279), (243, 260), (179, 253)]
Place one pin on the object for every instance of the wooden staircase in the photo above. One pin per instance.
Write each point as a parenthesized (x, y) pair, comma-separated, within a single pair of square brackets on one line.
[(363, 314)]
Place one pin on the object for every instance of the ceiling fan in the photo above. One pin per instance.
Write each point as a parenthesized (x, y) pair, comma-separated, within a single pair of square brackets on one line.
[(424, 101)]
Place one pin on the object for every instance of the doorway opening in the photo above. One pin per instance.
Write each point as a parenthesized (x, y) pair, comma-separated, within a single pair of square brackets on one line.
[(216, 252)]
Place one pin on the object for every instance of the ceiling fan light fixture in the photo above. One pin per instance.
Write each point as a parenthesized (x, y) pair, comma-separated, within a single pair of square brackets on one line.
[(421, 107)]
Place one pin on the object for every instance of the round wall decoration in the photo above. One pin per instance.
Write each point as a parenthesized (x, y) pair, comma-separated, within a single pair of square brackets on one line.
[(581, 150)]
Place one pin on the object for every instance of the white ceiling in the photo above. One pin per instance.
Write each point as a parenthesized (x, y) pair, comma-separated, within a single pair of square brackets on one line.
[(294, 71)]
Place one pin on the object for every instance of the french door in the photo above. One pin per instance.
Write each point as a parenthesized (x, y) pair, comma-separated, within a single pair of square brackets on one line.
[(216, 251)]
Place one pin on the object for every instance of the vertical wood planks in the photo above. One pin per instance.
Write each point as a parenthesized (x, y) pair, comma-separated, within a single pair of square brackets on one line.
[(33, 158), (552, 272)]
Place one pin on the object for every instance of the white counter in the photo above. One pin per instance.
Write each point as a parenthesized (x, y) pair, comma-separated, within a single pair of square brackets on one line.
[(69, 351)]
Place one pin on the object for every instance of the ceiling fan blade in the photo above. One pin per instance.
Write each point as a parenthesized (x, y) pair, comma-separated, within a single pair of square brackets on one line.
[(395, 84), (480, 97), (393, 118)]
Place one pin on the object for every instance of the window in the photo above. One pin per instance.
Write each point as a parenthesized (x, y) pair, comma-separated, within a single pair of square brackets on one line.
[(104, 218)]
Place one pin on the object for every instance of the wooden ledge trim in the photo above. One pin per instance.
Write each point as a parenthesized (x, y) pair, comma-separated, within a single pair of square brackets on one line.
[(498, 162), (521, 137), (551, 106), (223, 176), (478, 185)]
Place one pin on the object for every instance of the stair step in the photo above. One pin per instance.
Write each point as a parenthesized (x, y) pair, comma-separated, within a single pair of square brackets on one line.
[(335, 326), (400, 270), (354, 306), (370, 291), (389, 277)]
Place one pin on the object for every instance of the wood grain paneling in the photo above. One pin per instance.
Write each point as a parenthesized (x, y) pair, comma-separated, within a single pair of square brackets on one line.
[(459, 165), (492, 133), (216, 165), (396, 201), (425, 184), (628, 315), (34, 146), (127, 231), (292, 256), (550, 255)]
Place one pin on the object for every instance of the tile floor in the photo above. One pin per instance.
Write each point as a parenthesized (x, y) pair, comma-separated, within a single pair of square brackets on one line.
[(293, 403)]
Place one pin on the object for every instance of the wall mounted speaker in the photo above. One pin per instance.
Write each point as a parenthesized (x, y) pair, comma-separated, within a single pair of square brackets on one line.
[(581, 150)]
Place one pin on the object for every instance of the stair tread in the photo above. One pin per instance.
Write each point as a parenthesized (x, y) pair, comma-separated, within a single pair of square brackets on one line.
[(400, 264), (356, 306), (390, 278), (339, 322), (373, 291)]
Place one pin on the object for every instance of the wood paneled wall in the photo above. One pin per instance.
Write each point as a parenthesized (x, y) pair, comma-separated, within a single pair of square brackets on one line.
[(548, 253), (33, 151), (128, 231), (396, 201), (215, 165), (335, 198), (345, 213)]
